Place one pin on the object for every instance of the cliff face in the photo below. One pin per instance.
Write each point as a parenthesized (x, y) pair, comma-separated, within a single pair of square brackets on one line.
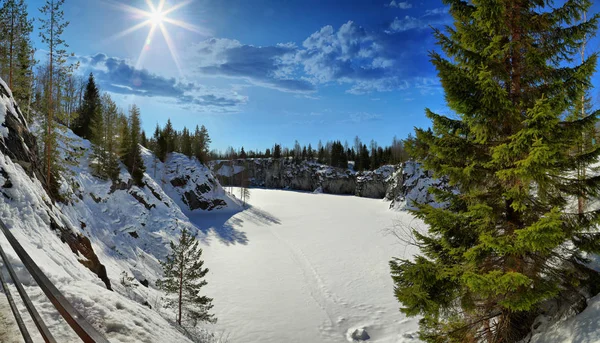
[(304, 176), (401, 184)]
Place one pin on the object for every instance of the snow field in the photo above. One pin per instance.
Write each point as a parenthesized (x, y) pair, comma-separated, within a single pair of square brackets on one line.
[(310, 268)]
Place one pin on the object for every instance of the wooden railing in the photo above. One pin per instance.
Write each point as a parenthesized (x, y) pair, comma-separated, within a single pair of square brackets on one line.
[(82, 328)]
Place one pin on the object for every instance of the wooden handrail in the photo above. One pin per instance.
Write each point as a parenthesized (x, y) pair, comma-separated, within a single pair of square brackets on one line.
[(13, 306), (84, 330)]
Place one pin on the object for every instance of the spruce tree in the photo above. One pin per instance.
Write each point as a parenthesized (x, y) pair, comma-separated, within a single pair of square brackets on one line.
[(310, 154), (169, 136), (124, 140), (105, 148), (133, 154), (186, 143), (365, 161), (90, 109), (277, 151), (144, 139), (184, 278), (16, 50), (506, 242), (204, 144)]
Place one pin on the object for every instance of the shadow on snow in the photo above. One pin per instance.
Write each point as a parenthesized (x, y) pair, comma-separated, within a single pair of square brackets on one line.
[(226, 225)]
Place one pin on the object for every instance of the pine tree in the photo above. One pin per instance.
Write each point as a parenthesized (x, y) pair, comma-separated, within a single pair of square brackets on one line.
[(51, 30), (105, 148), (310, 154), (144, 140), (124, 141), (506, 242), (186, 143), (184, 278), (133, 155), (169, 136), (204, 144), (365, 161), (90, 109), (277, 151), (16, 48)]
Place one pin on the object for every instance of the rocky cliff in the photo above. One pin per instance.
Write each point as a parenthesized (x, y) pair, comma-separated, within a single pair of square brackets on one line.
[(304, 176), (401, 184)]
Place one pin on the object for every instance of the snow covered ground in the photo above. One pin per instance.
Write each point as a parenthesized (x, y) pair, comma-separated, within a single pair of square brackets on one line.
[(9, 331), (303, 267)]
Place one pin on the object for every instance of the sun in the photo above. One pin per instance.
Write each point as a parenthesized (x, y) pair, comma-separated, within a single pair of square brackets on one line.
[(156, 17)]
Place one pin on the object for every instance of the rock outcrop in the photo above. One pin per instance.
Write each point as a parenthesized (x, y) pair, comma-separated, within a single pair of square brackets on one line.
[(401, 184), (188, 182), (305, 176), (411, 184), (16, 141)]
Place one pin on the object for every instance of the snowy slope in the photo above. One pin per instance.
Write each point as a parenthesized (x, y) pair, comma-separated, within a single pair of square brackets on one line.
[(128, 228), (311, 268)]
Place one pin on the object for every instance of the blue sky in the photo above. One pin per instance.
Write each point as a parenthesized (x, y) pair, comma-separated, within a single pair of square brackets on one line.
[(259, 72)]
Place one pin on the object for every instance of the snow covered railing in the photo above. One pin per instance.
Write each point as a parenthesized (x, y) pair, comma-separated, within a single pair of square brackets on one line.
[(84, 330)]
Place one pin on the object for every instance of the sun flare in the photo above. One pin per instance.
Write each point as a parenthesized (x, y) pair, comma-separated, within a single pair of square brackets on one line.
[(156, 17)]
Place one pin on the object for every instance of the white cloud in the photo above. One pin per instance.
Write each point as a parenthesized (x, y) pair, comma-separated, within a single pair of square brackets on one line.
[(400, 5)]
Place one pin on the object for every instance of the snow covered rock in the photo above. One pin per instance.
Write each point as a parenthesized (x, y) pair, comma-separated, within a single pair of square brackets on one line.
[(411, 184), (360, 335), (375, 183), (304, 176), (16, 142), (188, 182)]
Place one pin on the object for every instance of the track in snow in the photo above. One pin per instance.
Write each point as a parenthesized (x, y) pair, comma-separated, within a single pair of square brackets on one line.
[(302, 267)]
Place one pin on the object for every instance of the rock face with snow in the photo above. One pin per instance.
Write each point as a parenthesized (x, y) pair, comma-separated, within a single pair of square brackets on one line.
[(304, 176), (188, 182), (410, 184), (101, 231), (16, 142), (401, 184)]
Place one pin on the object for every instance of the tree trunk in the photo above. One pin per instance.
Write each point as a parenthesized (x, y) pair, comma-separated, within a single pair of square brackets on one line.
[(11, 44), (180, 288), (50, 117), (580, 199)]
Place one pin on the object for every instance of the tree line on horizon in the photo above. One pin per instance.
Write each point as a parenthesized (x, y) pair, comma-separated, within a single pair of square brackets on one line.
[(332, 153)]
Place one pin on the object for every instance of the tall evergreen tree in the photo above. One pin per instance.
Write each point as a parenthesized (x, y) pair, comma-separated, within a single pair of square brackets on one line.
[(277, 151), (184, 278), (169, 136), (507, 241), (51, 30), (105, 149), (16, 50), (132, 158), (186, 142), (90, 109), (144, 139)]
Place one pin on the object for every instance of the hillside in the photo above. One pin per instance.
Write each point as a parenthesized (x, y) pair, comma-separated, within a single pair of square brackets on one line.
[(101, 231)]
